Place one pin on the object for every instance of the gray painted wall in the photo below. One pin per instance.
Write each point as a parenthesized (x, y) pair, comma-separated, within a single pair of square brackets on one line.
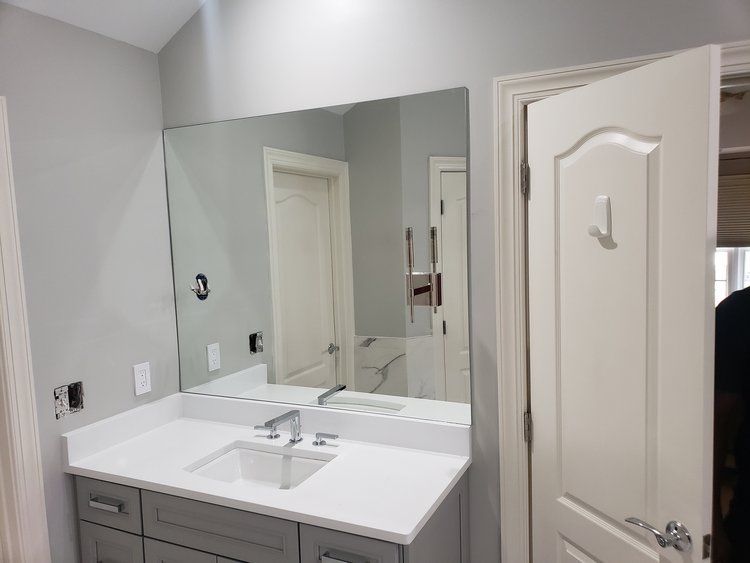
[(240, 57), (217, 206), (372, 132), (85, 135)]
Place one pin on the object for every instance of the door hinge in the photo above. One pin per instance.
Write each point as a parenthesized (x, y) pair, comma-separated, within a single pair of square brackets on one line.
[(706, 546), (442, 207), (524, 172), (528, 427), (445, 329)]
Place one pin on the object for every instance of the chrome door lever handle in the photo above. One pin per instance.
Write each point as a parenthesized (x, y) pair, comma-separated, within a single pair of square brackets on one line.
[(660, 538), (676, 534)]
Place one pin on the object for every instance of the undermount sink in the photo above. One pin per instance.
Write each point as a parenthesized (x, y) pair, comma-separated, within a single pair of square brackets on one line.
[(278, 467), (363, 403)]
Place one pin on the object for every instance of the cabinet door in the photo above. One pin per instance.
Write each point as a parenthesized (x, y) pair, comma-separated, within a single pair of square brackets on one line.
[(160, 552), (319, 545), (105, 545), (231, 533)]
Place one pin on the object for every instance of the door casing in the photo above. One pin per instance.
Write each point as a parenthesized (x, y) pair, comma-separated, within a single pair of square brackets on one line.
[(23, 516), (511, 96), (337, 174)]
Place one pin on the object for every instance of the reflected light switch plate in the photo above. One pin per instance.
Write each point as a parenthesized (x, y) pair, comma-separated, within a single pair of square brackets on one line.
[(142, 378), (213, 355)]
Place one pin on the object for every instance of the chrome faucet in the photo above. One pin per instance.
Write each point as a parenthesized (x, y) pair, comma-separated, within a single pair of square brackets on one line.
[(323, 399), (295, 426)]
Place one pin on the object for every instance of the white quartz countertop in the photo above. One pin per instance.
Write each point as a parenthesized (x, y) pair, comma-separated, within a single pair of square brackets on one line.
[(379, 491)]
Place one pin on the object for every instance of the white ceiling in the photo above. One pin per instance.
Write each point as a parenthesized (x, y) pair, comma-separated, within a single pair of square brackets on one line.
[(148, 24)]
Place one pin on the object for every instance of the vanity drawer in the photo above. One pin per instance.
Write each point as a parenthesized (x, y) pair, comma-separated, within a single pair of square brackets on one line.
[(116, 506), (101, 544), (319, 545), (160, 552), (234, 534)]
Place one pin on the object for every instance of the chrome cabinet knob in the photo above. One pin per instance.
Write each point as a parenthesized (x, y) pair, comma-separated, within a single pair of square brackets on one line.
[(676, 534), (332, 348)]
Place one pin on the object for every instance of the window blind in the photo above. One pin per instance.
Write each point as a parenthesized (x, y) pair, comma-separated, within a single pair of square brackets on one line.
[(734, 211)]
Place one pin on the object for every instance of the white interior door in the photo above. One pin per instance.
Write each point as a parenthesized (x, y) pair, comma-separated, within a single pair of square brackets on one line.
[(305, 278), (621, 327), (454, 234)]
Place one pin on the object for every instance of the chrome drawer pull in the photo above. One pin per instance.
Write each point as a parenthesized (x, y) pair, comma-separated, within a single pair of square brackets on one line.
[(327, 558), (108, 504)]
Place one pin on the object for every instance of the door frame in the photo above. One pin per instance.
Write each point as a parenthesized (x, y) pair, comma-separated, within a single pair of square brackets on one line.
[(511, 95), (438, 165), (337, 174), (23, 517)]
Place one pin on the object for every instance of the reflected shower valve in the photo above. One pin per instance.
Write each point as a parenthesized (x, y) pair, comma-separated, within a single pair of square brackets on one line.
[(201, 288)]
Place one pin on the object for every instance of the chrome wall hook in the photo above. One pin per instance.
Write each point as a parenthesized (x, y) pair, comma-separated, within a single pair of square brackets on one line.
[(602, 227), (201, 288)]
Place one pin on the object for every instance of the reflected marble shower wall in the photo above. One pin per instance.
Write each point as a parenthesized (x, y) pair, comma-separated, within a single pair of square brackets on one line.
[(395, 366)]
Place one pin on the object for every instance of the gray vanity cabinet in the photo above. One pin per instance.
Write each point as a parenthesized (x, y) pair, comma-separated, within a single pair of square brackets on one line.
[(329, 546), (100, 544), (217, 529), (120, 524), (160, 552)]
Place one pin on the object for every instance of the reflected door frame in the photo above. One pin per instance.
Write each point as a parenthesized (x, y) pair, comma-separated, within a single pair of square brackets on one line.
[(438, 165), (336, 172), (511, 95)]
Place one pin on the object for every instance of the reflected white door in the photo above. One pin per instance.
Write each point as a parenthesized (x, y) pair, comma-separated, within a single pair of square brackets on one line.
[(454, 234), (305, 278), (621, 327)]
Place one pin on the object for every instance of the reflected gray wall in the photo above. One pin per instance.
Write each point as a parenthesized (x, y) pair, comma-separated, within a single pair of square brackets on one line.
[(388, 145), (372, 133), (432, 124), (217, 207)]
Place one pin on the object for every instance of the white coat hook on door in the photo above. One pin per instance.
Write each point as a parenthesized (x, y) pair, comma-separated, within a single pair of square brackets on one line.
[(602, 227)]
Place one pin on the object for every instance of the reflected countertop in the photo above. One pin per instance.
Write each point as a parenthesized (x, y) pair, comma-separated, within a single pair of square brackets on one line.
[(252, 384)]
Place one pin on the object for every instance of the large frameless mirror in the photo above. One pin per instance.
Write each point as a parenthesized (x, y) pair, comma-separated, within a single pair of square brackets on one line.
[(320, 256)]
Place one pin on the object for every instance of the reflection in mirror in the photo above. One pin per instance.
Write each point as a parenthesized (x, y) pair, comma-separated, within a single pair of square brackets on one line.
[(326, 248)]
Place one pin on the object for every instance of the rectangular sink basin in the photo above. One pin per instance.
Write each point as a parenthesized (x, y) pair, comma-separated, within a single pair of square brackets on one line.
[(277, 467), (362, 404)]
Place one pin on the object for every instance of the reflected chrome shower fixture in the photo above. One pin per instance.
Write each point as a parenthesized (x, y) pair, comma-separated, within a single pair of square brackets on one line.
[(423, 289), (201, 288)]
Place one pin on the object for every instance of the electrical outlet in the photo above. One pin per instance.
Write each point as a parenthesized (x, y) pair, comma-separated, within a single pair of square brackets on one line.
[(68, 399), (142, 378), (213, 355)]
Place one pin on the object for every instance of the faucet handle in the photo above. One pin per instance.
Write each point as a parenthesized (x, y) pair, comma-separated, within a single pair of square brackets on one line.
[(272, 434), (319, 438)]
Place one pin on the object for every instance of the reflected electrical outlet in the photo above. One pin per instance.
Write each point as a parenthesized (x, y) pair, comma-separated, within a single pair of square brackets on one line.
[(256, 342)]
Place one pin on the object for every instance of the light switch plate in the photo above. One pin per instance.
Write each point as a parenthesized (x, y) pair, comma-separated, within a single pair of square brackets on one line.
[(213, 356), (142, 378)]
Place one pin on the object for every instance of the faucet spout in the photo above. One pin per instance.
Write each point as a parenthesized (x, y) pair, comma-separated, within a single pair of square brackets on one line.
[(295, 424), (323, 398)]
